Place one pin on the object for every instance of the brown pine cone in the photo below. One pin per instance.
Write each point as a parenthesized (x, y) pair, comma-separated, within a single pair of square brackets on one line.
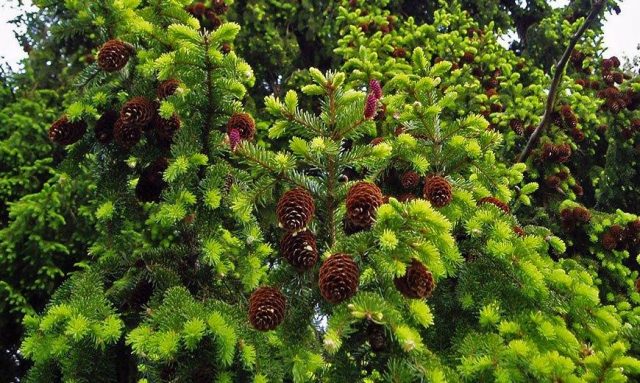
[(64, 132), (363, 200), (267, 307), (519, 231), (167, 88), (300, 249), (417, 283), (581, 214), (114, 55), (151, 183), (166, 129), (104, 126), (437, 190), (399, 52), (126, 136), (517, 126), (496, 202), (295, 209), (138, 111), (410, 179), (244, 124), (339, 278), (376, 337)]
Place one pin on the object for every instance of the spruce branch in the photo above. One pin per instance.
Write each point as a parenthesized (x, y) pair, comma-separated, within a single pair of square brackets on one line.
[(560, 67)]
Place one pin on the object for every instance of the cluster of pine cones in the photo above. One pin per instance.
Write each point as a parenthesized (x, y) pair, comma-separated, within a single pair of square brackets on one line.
[(621, 238)]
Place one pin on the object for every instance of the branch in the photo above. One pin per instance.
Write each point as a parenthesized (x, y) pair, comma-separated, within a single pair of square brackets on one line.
[(557, 79)]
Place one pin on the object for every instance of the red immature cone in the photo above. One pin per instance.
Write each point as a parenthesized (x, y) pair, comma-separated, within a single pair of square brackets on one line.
[(167, 88), (114, 55), (375, 88), (267, 308), (363, 200), (295, 209), (339, 278), (417, 283), (300, 249), (64, 132), (104, 126), (437, 190), (138, 111), (166, 129), (244, 124), (151, 184), (371, 106), (126, 136), (410, 179), (496, 202)]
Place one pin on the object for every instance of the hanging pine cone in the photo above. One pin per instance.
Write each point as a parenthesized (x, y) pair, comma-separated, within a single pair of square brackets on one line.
[(267, 308), (410, 179), (295, 209), (299, 249), (114, 55), (219, 7), (126, 136), (151, 183), (437, 190), (581, 214), (167, 88), (138, 111), (496, 202), (417, 283), (244, 124), (376, 337), (339, 278), (517, 126), (363, 200), (104, 126), (467, 58), (399, 52), (166, 129), (64, 132)]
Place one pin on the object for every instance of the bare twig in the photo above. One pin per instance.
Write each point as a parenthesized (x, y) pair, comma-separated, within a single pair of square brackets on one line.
[(557, 79)]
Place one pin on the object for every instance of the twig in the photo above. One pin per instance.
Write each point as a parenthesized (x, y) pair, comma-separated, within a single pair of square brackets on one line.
[(557, 79)]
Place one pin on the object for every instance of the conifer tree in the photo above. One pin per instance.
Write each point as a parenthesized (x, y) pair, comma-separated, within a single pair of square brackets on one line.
[(374, 227)]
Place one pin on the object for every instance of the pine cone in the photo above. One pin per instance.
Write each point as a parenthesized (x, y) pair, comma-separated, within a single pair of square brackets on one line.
[(399, 52), (267, 308), (581, 214), (467, 58), (138, 111), (166, 129), (517, 126), (64, 132), (300, 249), (339, 278), (219, 7), (167, 88), (376, 88), (376, 337), (363, 200), (437, 190), (371, 107), (410, 179), (114, 55), (244, 124), (126, 136), (417, 283), (496, 202), (151, 184), (295, 209), (553, 182), (104, 126), (519, 231)]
